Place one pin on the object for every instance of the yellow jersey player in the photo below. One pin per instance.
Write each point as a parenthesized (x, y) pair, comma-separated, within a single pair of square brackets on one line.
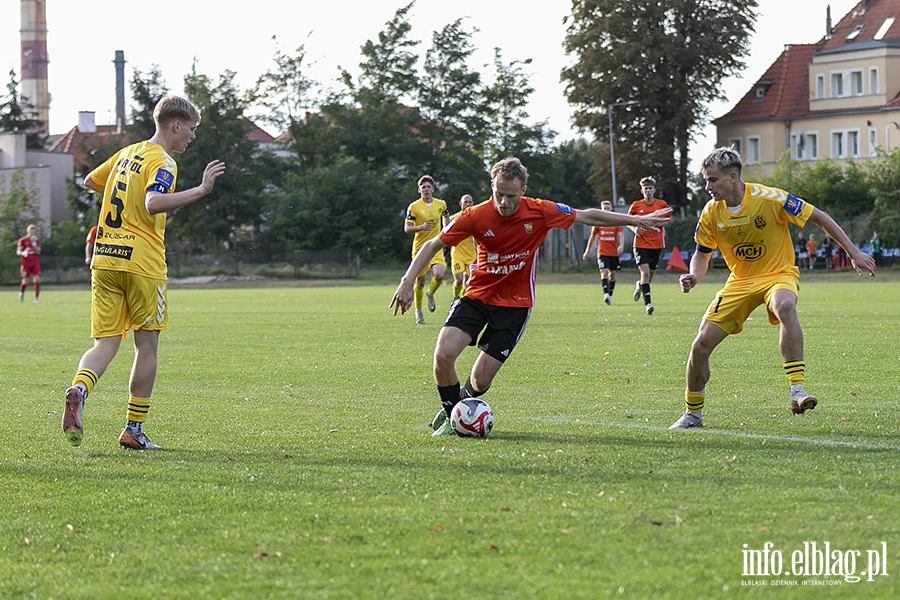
[(128, 281), (748, 223), (463, 254), (424, 219)]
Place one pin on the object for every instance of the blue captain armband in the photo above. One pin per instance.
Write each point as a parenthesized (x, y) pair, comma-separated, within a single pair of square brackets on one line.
[(156, 187)]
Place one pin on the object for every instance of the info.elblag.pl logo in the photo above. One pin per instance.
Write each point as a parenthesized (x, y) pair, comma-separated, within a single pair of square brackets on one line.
[(817, 561)]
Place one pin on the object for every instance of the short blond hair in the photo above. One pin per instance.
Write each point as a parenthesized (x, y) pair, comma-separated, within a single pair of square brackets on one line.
[(425, 179), (510, 168), (723, 158), (175, 108), (648, 181)]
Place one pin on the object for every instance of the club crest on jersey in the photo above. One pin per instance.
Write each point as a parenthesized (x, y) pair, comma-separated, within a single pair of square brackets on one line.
[(793, 205), (760, 222), (564, 208), (164, 178), (529, 228)]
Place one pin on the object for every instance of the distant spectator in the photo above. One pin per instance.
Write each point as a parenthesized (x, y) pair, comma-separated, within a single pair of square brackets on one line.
[(828, 251), (812, 246), (802, 252), (876, 248)]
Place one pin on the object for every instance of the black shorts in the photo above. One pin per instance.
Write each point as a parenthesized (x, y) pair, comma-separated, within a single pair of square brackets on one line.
[(648, 256), (609, 262), (503, 325)]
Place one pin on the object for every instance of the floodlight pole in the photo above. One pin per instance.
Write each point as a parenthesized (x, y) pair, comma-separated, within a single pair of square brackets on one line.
[(612, 153)]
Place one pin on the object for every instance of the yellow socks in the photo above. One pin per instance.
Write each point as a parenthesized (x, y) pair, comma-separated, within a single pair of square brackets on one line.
[(693, 401), (794, 371), (87, 378), (137, 409), (418, 294)]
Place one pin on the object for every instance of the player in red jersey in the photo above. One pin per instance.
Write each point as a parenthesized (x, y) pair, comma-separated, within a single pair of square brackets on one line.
[(610, 243), (508, 228), (648, 245), (28, 248)]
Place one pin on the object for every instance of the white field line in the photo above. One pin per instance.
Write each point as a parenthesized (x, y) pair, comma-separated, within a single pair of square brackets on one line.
[(738, 434)]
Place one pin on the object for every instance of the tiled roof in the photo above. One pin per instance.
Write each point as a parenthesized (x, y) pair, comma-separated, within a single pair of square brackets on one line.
[(786, 82), (785, 85), (869, 17)]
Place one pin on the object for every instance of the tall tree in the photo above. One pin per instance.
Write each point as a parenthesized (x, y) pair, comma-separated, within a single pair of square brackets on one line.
[(19, 116), (454, 112), (670, 56), (234, 203), (286, 91), (509, 133), (146, 90)]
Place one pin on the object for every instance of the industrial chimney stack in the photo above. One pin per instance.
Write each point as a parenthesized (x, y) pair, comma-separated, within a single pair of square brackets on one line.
[(35, 90), (120, 90)]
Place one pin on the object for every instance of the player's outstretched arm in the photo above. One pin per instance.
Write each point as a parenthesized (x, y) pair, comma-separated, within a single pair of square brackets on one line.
[(157, 202), (599, 218), (403, 296), (859, 259)]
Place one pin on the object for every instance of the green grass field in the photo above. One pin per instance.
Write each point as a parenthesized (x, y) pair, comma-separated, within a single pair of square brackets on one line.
[(297, 459)]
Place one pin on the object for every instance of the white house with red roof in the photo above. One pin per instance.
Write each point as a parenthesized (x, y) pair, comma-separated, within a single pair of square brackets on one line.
[(838, 98)]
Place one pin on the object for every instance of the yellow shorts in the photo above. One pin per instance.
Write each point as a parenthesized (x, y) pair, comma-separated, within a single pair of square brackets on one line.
[(734, 303), (437, 259), (121, 301), (461, 267)]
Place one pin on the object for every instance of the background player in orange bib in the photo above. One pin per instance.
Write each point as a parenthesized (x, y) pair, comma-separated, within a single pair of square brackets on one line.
[(648, 244), (610, 243)]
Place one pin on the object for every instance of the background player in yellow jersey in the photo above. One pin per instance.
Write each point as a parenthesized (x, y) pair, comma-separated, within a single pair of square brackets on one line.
[(424, 219), (463, 254), (128, 282), (748, 223)]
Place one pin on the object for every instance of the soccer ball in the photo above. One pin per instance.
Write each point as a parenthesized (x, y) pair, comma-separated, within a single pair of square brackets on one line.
[(472, 418)]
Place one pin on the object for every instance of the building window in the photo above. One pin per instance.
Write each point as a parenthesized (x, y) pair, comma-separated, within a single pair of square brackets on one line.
[(752, 157), (853, 143), (837, 85), (845, 143), (820, 87), (735, 143), (837, 144), (805, 146), (856, 83), (873, 80), (873, 141)]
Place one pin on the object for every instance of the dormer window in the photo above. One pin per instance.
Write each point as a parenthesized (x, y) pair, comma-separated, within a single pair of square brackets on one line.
[(853, 34), (761, 89)]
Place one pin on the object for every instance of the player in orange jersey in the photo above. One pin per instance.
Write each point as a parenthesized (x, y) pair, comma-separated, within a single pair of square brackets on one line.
[(508, 229), (648, 245), (610, 243), (28, 248)]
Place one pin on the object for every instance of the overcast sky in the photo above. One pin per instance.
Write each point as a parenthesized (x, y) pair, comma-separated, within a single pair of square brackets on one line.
[(83, 38)]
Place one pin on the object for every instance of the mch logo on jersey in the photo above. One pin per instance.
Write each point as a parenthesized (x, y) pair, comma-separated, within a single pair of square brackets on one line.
[(793, 205), (749, 251)]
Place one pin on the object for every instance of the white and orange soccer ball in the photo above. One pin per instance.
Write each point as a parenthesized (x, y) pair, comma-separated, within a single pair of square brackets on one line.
[(472, 418)]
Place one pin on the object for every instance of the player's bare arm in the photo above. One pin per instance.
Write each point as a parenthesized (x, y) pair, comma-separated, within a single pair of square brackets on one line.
[(157, 202), (590, 242), (403, 296), (859, 259), (698, 268), (410, 227), (599, 218)]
